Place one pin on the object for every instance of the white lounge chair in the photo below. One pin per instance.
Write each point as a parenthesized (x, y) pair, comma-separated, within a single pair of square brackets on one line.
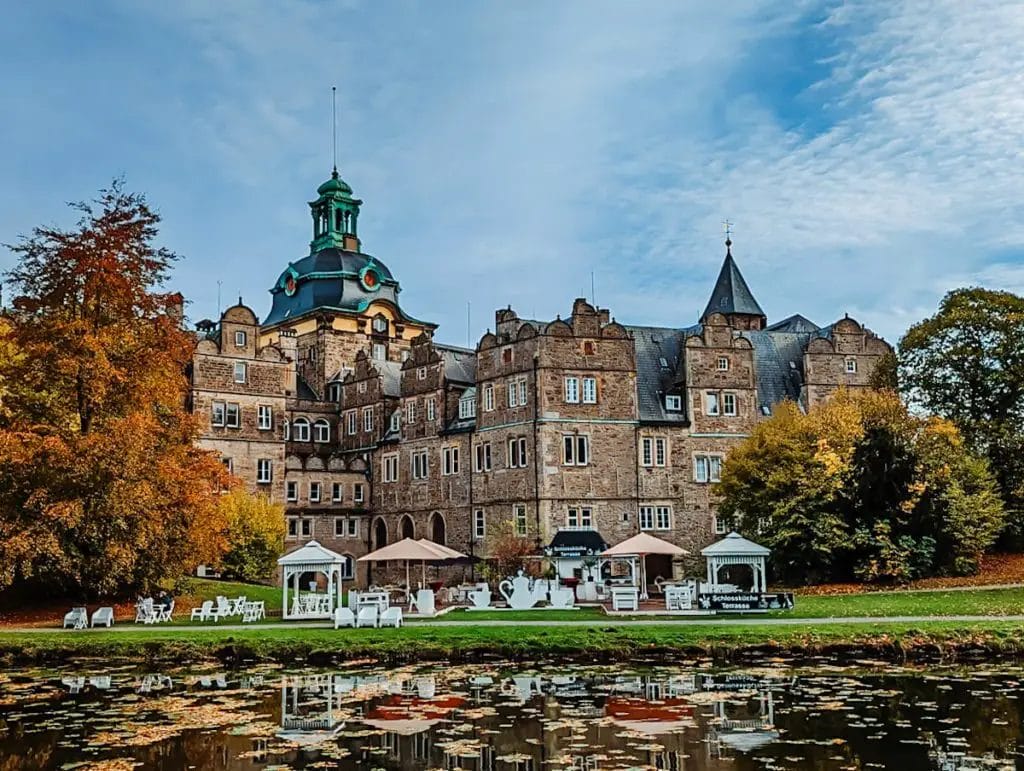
[(103, 617), (204, 612), (391, 617), (368, 616), (344, 617), (76, 618), (223, 609), (143, 610), (253, 611)]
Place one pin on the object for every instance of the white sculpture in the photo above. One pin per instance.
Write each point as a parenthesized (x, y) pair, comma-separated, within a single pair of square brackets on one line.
[(562, 598), (517, 592), (481, 598)]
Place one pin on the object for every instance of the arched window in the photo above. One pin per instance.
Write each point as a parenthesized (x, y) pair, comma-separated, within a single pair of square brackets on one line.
[(437, 528), (380, 324), (301, 426), (321, 431), (406, 528), (287, 427), (380, 534), (348, 567)]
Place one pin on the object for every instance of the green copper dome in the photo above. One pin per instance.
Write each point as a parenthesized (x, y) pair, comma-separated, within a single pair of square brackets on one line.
[(334, 185)]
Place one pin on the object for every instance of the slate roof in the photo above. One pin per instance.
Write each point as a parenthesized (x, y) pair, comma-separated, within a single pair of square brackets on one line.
[(731, 293), (459, 363), (795, 323), (779, 361), (652, 344), (391, 377)]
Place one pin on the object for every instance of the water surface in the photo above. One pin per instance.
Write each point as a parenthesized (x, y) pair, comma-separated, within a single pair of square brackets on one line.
[(513, 719)]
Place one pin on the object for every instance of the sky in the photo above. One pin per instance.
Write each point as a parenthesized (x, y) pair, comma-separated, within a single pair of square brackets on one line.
[(868, 154)]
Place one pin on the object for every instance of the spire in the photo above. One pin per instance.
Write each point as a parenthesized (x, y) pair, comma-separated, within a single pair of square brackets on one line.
[(732, 297), (335, 211)]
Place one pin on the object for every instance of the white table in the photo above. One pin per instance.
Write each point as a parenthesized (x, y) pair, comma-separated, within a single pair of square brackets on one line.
[(625, 598)]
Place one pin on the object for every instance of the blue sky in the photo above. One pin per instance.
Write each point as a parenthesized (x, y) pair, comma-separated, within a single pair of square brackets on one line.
[(869, 154)]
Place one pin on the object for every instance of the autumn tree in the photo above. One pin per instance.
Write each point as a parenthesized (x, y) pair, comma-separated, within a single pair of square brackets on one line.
[(507, 552), (860, 488), (102, 489), (966, 364), (255, 534)]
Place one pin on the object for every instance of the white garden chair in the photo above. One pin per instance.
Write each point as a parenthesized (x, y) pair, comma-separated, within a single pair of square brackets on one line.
[(223, 609), (76, 618), (103, 617), (143, 610), (253, 611), (391, 617), (237, 605), (369, 615), (164, 612), (344, 617), (204, 612)]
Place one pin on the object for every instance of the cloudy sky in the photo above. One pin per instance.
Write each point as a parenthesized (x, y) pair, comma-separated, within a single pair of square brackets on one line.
[(869, 154)]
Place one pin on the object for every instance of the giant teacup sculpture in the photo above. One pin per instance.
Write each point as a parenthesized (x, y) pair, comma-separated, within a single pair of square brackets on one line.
[(517, 592)]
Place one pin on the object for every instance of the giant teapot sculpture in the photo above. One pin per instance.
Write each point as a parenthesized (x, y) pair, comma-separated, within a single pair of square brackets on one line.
[(517, 592)]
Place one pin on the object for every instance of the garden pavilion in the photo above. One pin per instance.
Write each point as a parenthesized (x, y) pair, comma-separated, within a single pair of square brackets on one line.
[(311, 558), (734, 549)]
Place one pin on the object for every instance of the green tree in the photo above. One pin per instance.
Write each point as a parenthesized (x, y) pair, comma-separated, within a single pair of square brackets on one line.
[(255, 534), (966, 363)]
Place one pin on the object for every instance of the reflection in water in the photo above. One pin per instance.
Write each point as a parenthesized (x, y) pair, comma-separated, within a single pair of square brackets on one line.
[(494, 719)]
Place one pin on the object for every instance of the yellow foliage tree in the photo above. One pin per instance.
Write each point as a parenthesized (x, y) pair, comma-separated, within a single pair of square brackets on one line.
[(255, 534)]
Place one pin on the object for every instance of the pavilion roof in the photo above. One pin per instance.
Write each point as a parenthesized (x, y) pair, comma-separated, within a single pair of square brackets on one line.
[(735, 545), (311, 553)]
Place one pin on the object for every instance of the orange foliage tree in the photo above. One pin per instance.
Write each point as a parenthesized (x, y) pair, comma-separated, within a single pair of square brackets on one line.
[(102, 489)]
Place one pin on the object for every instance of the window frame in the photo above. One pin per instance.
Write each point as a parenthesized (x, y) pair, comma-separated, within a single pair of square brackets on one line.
[(728, 396), (479, 524), (520, 520), (358, 492), (571, 389), (431, 409), (579, 517), (850, 365), (673, 403), (512, 394), (267, 412), (419, 462), (221, 408), (482, 457), (368, 419), (588, 383), (322, 431), (723, 360), (488, 397), (571, 446), (351, 422), (261, 464), (449, 460), (243, 368), (337, 492), (389, 467), (301, 430), (241, 335), (712, 404), (236, 409), (315, 492)]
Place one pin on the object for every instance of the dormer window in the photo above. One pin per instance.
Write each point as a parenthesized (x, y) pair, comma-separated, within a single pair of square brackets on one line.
[(663, 362), (380, 325), (674, 403), (396, 420), (467, 407), (240, 339)]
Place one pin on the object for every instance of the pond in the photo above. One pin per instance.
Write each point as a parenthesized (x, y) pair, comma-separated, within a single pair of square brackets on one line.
[(515, 719)]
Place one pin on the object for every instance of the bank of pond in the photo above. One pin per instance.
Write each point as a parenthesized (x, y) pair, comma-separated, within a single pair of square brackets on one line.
[(503, 716)]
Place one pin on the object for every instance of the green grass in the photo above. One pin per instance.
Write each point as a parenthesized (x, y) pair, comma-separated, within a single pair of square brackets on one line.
[(968, 602), (201, 589)]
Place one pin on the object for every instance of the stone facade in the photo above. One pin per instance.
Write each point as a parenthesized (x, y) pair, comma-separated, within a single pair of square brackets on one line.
[(372, 431)]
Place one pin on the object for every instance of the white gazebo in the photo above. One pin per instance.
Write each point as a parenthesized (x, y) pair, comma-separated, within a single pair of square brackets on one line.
[(311, 558), (734, 549)]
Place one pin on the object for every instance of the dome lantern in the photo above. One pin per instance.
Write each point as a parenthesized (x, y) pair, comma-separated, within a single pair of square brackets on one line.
[(335, 216)]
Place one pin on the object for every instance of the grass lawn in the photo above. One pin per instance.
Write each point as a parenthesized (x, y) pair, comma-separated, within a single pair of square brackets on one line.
[(196, 590), (966, 602)]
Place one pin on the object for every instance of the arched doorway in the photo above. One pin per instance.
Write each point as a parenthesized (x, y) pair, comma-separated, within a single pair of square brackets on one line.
[(437, 528), (380, 534), (406, 528)]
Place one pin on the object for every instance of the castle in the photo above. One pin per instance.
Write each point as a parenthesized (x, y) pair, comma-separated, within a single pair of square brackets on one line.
[(572, 432)]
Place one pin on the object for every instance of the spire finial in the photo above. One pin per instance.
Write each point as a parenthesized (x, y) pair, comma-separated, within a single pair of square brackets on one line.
[(728, 236), (334, 131)]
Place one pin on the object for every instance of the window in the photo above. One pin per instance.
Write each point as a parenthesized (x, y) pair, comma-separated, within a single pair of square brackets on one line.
[(368, 419), (410, 413), (572, 390), (488, 397), (217, 414), (339, 526), (291, 491), (449, 461), (483, 457), (707, 468), (228, 464), (348, 567), (357, 493), (728, 404), (380, 324), (337, 491), (575, 449), (522, 391), (334, 392), (350, 422), (297, 527), (265, 420), (361, 387), (590, 390), (663, 362), (467, 407), (390, 468), (421, 373), (420, 464), (264, 472), (720, 525), (674, 403), (287, 426), (723, 363), (517, 452), (379, 351), (301, 427), (431, 409), (353, 527), (322, 431), (579, 518), (851, 366), (506, 355), (655, 517), (314, 492), (519, 518), (479, 524), (513, 394), (240, 371), (654, 451), (240, 339), (711, 403), (396, 420), (234, 416)]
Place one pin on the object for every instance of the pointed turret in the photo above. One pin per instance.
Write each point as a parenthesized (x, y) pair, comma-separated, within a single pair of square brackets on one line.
[(732, 297)]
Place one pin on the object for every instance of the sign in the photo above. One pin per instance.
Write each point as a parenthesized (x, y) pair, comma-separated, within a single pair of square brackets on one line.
[(741, 601)]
